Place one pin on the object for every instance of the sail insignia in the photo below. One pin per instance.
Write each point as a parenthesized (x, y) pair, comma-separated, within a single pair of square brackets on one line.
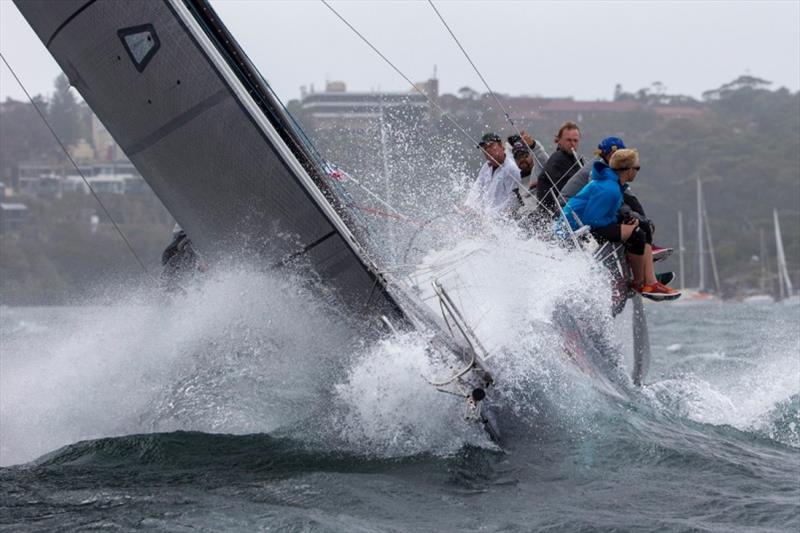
[(141, 43)]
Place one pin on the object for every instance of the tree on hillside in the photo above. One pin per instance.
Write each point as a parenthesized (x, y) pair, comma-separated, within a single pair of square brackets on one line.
[(654, 95), (468, 93), (745, 81), (24, 135), (64, 112)]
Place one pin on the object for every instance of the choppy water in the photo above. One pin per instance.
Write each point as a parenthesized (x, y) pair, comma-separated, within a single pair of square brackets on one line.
[(250, 404)]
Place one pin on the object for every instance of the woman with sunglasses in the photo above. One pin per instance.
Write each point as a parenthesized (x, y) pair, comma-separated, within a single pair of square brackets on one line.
[(597, 205)]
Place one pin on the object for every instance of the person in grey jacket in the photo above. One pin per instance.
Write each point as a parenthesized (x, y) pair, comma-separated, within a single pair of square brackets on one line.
[(529, 155)]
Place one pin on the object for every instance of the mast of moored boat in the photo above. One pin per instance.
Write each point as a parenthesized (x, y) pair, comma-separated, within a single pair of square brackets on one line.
[(711, 253), (762, 258), (784, 282), (701, 286), (681, 249)]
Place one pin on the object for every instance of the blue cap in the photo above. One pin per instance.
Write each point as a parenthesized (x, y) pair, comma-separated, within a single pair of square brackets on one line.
[(609, 145)]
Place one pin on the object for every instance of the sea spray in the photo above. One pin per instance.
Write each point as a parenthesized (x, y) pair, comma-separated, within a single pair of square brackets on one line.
[(233, 354), (749, 381), (507, 286)]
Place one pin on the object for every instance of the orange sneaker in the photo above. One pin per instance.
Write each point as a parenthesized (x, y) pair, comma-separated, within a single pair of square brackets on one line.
[(660, 292)]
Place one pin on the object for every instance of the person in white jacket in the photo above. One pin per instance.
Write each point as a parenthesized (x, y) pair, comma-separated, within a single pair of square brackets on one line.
[(493, 190)]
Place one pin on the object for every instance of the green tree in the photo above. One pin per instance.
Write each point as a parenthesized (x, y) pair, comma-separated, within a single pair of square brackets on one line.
[(64, 112), (24, 135)]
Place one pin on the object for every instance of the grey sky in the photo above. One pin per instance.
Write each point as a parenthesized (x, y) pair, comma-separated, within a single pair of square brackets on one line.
[(568, 48)]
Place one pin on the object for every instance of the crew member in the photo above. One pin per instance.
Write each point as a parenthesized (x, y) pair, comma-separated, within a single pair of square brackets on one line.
[(631, 206), (493, 190), (597, 205), (560, 167), (179, 261)]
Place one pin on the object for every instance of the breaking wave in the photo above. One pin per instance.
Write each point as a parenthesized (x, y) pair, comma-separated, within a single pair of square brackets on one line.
[(252, 352), (244, 351)]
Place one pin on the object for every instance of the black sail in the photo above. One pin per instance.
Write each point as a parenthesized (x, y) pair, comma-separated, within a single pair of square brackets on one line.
[(198, 121)]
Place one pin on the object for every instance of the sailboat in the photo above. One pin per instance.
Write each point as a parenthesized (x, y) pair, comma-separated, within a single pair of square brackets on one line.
[(216, 145), (701, 293), (762, 297), (786, 292)]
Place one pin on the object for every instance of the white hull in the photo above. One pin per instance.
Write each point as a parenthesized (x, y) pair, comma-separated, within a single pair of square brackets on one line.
[(693, 296), (759, 299)]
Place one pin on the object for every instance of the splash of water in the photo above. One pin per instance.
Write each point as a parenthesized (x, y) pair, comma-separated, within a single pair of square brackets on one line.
[(232, 355), (246, 351), (755, 392)]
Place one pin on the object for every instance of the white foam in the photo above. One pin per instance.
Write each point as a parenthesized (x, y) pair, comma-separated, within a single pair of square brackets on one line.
[(247, 352), (506, 286), (217, 359), (737, 391)]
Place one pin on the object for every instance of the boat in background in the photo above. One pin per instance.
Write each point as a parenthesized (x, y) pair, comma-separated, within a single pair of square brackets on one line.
[(786, 292), (701, 293), (763, 296)]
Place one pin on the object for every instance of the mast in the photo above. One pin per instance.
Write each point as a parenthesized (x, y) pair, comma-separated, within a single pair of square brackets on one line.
[(681, 248), (762, 258), (711, 248), (701, 286), (387, 177), (784, 282)]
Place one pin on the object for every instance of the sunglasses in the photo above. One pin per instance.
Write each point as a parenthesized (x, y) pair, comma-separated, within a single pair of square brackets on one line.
[(634, 168)]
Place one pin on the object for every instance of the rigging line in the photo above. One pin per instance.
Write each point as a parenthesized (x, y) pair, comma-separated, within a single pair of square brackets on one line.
[(85, 181), (496, 99), (386, 204), (413, 85), (431, 102)]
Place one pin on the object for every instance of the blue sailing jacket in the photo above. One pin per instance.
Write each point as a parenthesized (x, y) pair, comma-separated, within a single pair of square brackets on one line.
[(598, 202)]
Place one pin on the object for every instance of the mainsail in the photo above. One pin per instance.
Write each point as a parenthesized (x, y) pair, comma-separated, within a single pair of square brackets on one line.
[(203, 128), (199, 122)]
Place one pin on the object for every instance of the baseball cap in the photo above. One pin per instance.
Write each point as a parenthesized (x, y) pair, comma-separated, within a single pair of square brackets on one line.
[(609, 145), (489, 138), (519, 149)]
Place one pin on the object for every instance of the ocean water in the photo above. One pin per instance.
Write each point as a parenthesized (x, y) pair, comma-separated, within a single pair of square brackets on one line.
[(251, 403)]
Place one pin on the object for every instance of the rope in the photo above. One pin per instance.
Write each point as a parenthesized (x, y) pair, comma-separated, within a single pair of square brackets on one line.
[(85, 181), (413, 85), (383, 202), (433, 103), (499, 103)]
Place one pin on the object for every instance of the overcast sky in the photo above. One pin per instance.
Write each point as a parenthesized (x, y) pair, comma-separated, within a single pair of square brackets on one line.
[(564, 48)]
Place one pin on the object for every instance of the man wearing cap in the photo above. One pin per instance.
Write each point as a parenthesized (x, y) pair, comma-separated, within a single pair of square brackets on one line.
[(493, 190), (560, 167), (528, 154)]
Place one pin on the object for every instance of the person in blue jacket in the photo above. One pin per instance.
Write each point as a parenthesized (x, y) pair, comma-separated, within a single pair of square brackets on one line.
[(597, 205)]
